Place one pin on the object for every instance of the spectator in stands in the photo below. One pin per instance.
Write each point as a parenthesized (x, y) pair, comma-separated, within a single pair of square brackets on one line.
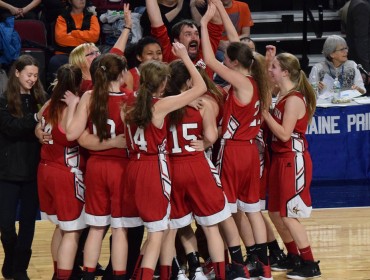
[(84, 54), (172, 11), (73, 27), (19, 157), (21, 9), (240, 16), (358, 34), (336, 64)]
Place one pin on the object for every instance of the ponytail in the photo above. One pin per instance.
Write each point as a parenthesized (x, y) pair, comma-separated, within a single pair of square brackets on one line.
[(306, 89)]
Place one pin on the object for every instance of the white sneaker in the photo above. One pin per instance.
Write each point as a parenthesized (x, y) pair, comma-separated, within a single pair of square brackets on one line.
[(181, 275), (199, 275)]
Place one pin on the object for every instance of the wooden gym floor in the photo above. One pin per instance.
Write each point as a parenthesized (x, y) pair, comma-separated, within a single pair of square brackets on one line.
[(340, 238)]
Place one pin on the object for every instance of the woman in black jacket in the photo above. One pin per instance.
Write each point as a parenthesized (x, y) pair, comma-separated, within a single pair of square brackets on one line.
[(19, 157)]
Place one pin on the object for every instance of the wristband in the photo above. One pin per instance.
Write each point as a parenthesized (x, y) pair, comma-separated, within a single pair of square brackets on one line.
[(129, 28)]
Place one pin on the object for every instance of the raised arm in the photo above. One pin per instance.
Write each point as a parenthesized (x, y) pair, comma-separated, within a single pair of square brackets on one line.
[(236, 79), (231, 32), (194, 9), (154, 13), (172, 103), (170, 16), (123, 38)]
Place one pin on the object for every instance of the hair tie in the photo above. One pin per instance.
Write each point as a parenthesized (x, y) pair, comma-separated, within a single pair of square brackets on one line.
[(200, 63), (103, 67)]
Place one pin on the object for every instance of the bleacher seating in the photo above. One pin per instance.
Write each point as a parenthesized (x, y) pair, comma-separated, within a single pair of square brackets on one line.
[(281, 24)]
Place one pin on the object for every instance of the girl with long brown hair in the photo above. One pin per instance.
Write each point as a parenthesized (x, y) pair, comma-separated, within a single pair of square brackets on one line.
[(99, 111), (19, 157)]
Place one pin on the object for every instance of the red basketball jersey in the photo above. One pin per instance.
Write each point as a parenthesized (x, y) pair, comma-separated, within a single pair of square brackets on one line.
[(180, 135), (241, 122), (297, 142), (149, 140), (115, 125), (60, 150)]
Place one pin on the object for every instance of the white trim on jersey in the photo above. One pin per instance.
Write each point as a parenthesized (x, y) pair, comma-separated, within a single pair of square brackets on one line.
[(116, 222), (215, 218), (249, 207), (181, 222), (76, 224), (263, 204), (132, 222), (300, 181), (233, 207), (99, 221), (161, 224)]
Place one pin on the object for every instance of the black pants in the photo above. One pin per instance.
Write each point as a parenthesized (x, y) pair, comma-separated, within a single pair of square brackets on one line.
[(13, 195)]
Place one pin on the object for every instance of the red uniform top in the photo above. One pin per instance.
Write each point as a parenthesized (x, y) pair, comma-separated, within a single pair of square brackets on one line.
[(115, 125), (241, 122), (160, 33), (180, 136), (136, 77), (59, 150), (150, 140), (297, 142)]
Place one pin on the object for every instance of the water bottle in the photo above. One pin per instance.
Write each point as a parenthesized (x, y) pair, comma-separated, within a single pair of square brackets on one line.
[(314, 82), (336, 89)]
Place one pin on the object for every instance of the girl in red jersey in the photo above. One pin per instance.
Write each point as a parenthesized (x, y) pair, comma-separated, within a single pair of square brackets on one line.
[(148, 184), (240, 125), (196, 188), (99, 110), (60, 182), (291, 165)]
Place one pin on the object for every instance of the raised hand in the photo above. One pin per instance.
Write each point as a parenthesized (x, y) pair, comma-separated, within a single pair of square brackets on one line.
[(270, 53), (127, 15), (211, 10), (70, 98), (179, 50)]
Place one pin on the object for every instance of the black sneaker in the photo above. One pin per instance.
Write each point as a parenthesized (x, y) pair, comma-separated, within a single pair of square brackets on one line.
[(308, 269), (278, 260), (237, 271), (253, 266), (292, 262), (99, 270), (257, 269)]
